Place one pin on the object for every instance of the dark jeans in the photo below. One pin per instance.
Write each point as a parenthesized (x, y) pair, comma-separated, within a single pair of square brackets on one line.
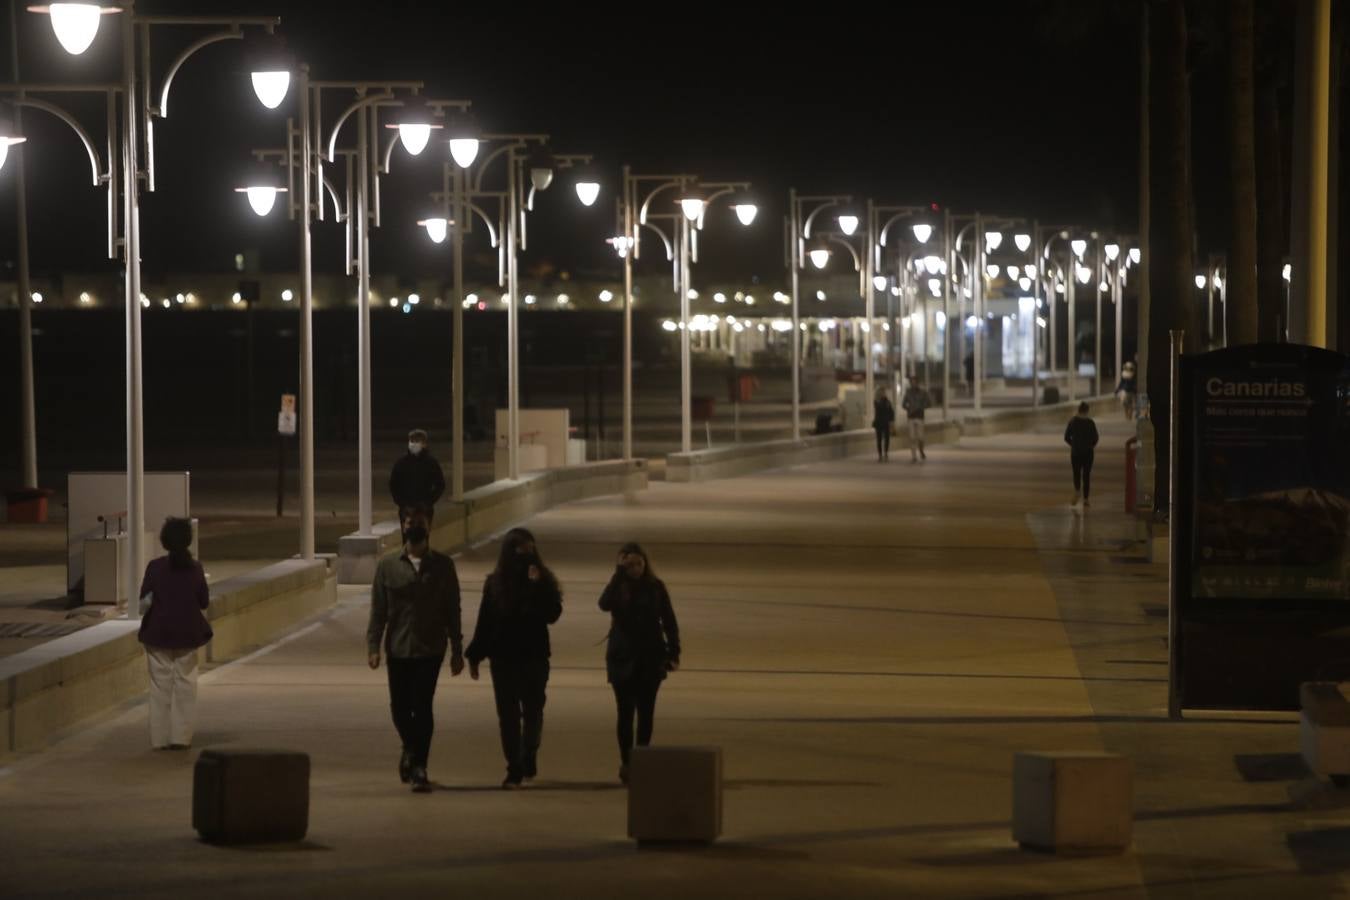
[(518, 685), (883, 440), (412, 686), (636, 695), (1082, 472)]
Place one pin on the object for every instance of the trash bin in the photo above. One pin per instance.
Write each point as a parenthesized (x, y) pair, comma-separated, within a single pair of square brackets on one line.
[(27, 505), (1131, 456)]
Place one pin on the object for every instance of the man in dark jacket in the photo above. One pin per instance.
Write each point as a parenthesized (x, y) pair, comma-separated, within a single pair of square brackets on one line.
[(414, 613), (1081, 436), (417, 481)]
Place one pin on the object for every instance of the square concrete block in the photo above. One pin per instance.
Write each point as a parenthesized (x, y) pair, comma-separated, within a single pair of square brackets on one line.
[(250, 796), (1324, 728), (1072, 801), (675, 794)]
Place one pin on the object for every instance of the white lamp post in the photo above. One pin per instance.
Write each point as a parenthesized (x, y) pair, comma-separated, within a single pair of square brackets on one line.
[(76, 25)]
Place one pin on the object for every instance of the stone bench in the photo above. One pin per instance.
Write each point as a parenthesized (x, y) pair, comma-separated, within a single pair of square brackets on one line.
[(1074, 801), (242, 796), (675, 794), (1324, 730)]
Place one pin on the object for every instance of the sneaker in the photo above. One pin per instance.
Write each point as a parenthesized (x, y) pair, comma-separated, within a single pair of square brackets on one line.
[(418, 777), (512, 783), (405, 767), (1077, 497), (1086, 502)]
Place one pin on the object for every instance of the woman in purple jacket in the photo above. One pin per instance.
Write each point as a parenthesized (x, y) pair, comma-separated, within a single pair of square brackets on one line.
[(173, 628)]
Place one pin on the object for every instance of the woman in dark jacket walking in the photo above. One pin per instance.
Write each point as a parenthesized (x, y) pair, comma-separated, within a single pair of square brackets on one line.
[(521, 599), (883, 417), (172, 630), (644, 644)]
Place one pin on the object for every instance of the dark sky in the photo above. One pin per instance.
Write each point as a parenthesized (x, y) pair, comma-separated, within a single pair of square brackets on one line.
[(1007, 107)]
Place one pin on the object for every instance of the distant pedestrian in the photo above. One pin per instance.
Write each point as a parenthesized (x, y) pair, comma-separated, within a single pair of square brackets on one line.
[(883, 421), (521, 598), (414, 615), (172, 630), (915, 401), (969, 365), (1081, 436), (644, 644), (417, 481), (1127, 389)]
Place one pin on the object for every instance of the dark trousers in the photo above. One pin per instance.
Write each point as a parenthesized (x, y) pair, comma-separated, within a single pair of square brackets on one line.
[(1082, 472), (412, 687), (518, 686), (636, 695), (883, 440)]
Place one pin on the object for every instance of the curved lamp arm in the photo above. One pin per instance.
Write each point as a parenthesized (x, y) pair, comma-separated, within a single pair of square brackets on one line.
[(337, 205), (487, 220), (707, 203), (487, 161), (670, 248), (806, 226), (346, 114), (642, 213), (75, 126), (852, 251), (235, 33)]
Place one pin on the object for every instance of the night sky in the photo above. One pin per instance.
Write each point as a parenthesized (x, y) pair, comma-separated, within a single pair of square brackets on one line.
[(1022, 108)]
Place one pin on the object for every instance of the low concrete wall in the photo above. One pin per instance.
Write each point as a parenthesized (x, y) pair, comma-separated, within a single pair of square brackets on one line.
[(56, 684), (488, 509), (741, 459), (989, 422)]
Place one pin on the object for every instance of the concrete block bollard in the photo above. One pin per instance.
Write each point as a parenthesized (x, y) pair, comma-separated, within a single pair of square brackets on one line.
[(1324, 730), (1072, 801), (675, 794), (250, 796)]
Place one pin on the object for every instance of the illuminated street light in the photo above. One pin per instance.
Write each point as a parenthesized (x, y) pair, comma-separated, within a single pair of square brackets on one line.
[(1200, 282), (922, 232), (879, 282), (270, 67), (1079, 247), (1136, 255), (414, 122), (848, 223), (993, 240), (262, 186), (1023, 242), (1112, 252), (437, 227), (463, 134), (9, 135), (75, 24)]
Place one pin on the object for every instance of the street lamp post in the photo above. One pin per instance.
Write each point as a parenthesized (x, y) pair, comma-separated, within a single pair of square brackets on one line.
[(694, 198), (799, 232), (76, 30)]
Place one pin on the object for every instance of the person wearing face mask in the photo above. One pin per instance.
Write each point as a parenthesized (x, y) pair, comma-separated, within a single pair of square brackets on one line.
[(521, 598), (417, 481), (414, 614), (644, 644)]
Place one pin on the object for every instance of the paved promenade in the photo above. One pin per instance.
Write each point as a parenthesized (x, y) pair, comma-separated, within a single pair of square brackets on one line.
[(868, 643)]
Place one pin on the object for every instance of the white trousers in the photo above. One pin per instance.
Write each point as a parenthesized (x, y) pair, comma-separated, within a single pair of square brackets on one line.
[(173, 695)]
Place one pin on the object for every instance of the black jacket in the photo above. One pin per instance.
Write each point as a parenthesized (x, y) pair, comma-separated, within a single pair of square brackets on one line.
[(416, 480), (513, 619), (883, 413), (1081, 435), (415, 611), (643, 633)]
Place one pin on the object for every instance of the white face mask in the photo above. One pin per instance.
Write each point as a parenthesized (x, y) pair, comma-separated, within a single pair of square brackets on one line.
[(415, 448)]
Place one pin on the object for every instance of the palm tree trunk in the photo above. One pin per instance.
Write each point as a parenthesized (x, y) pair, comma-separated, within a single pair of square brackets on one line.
[(1273, 241), (1241, 311), (1171, 271)]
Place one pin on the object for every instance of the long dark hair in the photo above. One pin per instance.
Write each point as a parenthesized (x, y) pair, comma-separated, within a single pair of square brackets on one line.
[(176, 538), (633, 547), (504, 575)]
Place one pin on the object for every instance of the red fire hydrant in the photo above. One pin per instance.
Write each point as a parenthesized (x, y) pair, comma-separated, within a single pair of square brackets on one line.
[(1131, 455)]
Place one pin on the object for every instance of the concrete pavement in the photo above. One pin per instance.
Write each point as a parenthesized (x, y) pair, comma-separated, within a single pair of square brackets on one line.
[(868, 643)]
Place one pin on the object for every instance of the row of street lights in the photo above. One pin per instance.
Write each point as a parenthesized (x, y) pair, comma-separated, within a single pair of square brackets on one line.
[(301, 171)]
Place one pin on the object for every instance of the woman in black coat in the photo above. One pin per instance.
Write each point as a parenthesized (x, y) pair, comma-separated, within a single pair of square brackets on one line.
[(644, 644), (521, 599)]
